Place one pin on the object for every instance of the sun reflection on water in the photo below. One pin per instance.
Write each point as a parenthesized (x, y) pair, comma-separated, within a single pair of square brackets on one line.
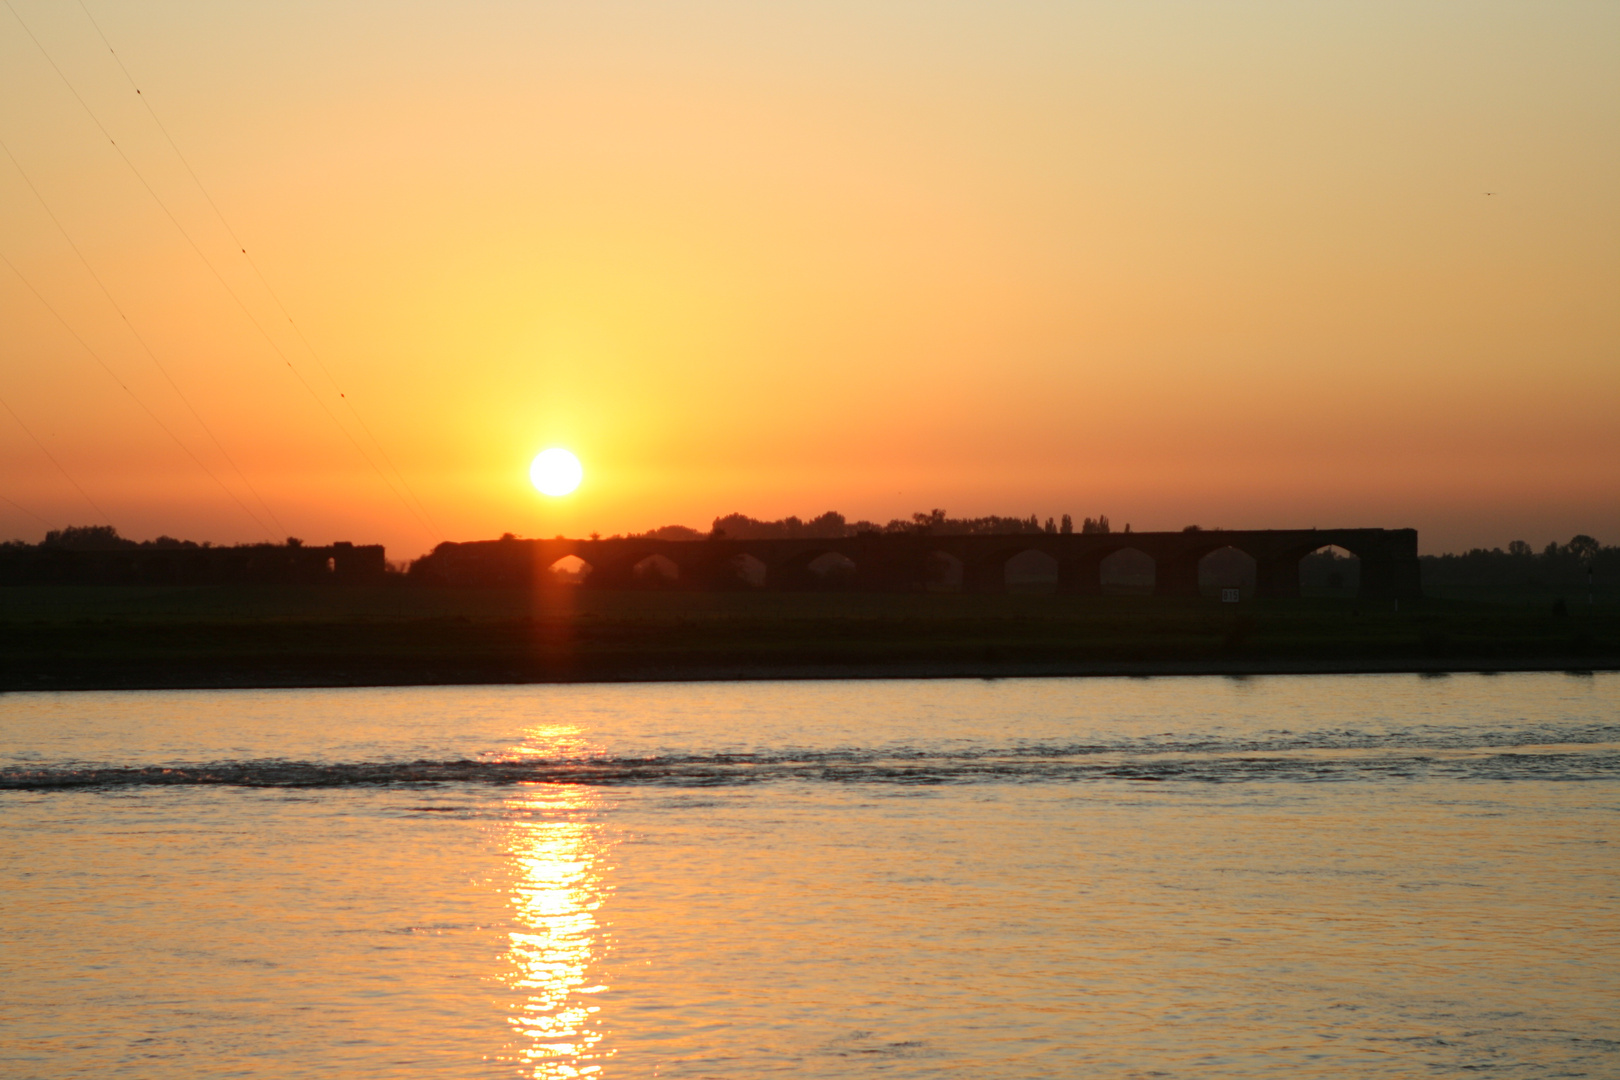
[(557, 858)]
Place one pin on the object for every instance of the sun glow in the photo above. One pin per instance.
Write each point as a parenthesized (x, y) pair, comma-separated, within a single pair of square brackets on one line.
[(555, 472)]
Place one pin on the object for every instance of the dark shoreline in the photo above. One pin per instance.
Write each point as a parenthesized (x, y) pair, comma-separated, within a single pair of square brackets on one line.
[(265, 680), (122, 638)]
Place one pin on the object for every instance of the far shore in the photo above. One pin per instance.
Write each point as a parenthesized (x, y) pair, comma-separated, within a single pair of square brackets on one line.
[(128, 638), (286, 680)]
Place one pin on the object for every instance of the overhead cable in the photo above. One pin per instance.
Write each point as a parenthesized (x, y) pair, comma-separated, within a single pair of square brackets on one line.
[(181, 394), (105, 291), (270, 289), (25, 510), (59, 467), (162, 205), (259, 525)]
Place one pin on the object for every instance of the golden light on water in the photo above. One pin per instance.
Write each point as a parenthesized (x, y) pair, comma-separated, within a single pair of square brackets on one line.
[(556, 944)]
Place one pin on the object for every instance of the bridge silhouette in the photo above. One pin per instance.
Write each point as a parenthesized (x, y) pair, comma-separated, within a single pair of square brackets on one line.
[(899, 562)]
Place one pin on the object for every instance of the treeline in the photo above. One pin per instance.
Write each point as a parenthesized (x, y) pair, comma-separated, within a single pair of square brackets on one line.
[(833, 525), (97, 555), (106, 538), (1556, 564)]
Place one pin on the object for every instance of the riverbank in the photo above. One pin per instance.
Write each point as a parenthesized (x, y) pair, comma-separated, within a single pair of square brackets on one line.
[(178, 638)]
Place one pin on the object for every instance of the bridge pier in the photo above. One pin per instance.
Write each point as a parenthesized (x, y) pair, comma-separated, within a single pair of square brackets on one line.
[(1277, 577), (1175, 575), (988, 576), (695, 569), (791, 575), (618, 574), (1081, 575), (887, 571)]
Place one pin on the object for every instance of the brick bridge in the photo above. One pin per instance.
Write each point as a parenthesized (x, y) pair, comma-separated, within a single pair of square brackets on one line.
[(893, 562)]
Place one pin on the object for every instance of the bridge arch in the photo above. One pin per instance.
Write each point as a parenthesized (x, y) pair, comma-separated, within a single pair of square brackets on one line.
[(569, 570), (1285, 574), (1330, 570), (655, 571), (814, 567), (1228, 567), (743, 571), (614, 566), (1023, 563), (832, 570)]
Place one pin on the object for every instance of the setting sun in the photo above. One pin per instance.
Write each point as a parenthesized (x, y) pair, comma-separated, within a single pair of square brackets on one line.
[(555, 472)]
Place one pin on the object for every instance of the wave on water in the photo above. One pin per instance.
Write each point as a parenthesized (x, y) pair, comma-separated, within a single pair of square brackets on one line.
[(1588, 753)]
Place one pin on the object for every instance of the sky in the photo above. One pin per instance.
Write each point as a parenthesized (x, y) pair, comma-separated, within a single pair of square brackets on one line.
[(1246, 265)]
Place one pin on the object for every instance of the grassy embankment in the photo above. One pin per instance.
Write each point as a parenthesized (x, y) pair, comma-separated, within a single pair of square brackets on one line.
[(67, 637)]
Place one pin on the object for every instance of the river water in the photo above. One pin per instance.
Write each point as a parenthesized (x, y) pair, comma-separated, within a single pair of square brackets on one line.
[(1183, 877)]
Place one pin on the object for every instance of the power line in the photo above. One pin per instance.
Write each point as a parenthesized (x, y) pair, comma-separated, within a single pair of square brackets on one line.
[(27, 511), (59, 467), (213, 269), (173, 385), (136, 398), (270, 289), (150, 354)]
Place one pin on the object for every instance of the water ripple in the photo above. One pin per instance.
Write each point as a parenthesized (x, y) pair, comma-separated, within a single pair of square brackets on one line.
[(1012, 765)]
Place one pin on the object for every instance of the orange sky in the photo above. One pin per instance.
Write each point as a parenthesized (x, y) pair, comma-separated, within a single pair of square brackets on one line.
[(1226, 264)]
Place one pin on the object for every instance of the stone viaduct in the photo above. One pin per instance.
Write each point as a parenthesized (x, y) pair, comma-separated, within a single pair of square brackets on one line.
[(895, 562)]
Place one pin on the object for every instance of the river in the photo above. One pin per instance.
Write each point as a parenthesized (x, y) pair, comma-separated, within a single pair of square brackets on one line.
[(1313, 876)]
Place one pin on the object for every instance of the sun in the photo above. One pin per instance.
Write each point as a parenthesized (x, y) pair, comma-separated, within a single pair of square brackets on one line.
[(555, 471)]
